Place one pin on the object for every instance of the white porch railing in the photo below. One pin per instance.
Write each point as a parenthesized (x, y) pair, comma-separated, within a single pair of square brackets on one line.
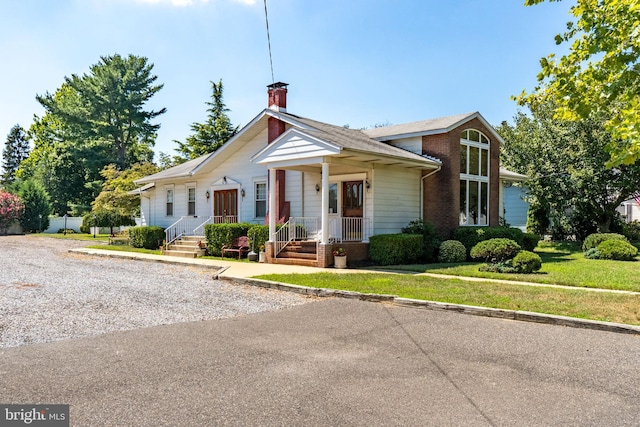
[(224, 219), (349, 229), (185, 226), (297, 228)]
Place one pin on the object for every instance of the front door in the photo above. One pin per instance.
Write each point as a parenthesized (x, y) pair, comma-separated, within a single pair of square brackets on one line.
[(225, 205), (352, 198), (352, 210)]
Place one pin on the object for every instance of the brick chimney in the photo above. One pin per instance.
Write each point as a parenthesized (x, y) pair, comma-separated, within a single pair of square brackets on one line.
[(278, 96), (278, 102)]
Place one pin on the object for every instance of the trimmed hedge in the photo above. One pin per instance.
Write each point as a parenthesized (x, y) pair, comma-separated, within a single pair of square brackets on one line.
[(430, 237), (529, 241), (390, 249), (452, 251), (218, 235), (148, 237), (495, 250), (617, 250), (526, 262), (594, 240)]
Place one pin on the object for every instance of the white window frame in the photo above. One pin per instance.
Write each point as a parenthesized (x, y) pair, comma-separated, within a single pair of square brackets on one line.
[(256, 199), (170, 200), (190, 200), (475, 179)]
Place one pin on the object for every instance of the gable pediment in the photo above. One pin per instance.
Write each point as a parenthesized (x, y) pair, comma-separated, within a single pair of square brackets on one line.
[(295, 144)]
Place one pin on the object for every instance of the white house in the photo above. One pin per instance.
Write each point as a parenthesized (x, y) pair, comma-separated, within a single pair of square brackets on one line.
[(343, 185)]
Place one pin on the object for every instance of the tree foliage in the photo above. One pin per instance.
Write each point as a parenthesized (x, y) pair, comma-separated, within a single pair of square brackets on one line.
[(37, 208), (569, 184), (107, 107), (114, 198), (600, 75), (16, 149), (11, 207), (209, 136)]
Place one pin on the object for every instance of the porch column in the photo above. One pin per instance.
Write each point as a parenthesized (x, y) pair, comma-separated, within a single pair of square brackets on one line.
[(325, 204), (272, 204)]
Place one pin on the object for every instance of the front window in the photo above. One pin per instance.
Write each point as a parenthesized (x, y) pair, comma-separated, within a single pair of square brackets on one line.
[(169, 202), (191, 203), (261, 199), (474, 178), (333, 198)]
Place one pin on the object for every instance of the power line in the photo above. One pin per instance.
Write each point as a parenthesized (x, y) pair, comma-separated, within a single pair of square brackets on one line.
[(266, 18)]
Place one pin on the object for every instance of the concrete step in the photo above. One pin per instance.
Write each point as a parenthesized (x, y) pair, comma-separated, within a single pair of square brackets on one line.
[(296, 261), (184, 254)]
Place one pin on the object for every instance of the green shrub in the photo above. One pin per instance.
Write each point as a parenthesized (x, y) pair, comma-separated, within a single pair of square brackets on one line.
[(594, 240), (499, 267), (390, 249), (617, 250), (632, 231), (471, 236), (258, 235), (495, 250), (430, 237), (452, 251), (530, 241), (67, 231), (148, 237), (526, 262), (592, 253), (218, 235)]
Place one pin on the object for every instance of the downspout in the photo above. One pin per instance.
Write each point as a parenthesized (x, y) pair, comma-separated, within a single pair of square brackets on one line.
[(422, 190)]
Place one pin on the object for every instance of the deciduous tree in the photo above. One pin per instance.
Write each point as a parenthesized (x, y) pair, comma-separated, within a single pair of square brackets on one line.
[(600, 74), (11, 207)]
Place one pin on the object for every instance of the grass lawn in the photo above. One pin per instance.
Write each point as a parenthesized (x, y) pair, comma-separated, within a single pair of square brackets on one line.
[(584, 304), (562, 264)]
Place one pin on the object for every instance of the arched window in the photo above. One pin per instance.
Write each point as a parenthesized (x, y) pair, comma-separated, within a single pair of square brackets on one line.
[(474, 178)]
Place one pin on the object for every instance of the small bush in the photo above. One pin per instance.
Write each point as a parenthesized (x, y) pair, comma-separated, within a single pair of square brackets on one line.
[(495, 250), (452, 251), (617, 250), (499, 267), (148, 237), (592, 253), (390, 249), (530, 241), (67, 231), (526, 262), (471, 236), (594, 240)]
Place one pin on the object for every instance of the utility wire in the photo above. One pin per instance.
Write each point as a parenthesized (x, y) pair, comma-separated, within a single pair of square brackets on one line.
[(266, 18)]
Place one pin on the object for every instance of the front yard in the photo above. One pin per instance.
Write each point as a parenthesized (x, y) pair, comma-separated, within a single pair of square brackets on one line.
[(562, 265)]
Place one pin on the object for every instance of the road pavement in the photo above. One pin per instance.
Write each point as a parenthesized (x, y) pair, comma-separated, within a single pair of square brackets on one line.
[(335, 362)]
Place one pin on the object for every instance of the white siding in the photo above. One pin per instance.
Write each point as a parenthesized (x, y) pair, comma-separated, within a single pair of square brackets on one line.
[(410, 144), (396, 199)]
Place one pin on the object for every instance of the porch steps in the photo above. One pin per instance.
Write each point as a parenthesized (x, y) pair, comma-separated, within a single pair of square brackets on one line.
[(298, 253), (186, 247)]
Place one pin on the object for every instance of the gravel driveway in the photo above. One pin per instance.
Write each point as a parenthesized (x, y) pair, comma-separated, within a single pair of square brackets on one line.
[(48, 294)]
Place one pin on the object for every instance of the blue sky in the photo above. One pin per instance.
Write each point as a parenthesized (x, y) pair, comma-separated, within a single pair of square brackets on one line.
[(348, 62)]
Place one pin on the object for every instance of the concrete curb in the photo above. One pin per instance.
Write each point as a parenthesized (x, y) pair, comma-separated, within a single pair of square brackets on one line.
[(523, 316)]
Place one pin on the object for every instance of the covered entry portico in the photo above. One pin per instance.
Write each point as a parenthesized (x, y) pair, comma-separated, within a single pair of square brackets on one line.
[(338, 166)]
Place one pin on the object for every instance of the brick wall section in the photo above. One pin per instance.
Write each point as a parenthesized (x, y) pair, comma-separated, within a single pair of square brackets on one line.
[(442, 190)]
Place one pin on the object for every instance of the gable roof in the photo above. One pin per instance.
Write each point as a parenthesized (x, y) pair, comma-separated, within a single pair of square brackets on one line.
[(350, 139), (427, 127), (185, 169)]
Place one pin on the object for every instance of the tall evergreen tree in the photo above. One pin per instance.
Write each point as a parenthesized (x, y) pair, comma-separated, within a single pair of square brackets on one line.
[(106, 107), (16, 149), (209, 136)]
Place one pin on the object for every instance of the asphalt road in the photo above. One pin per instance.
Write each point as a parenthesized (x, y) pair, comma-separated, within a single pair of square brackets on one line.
[(335, 362)]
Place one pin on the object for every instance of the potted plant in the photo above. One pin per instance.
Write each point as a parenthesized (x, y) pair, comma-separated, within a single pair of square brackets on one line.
[(262, 257), (339, 258)]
